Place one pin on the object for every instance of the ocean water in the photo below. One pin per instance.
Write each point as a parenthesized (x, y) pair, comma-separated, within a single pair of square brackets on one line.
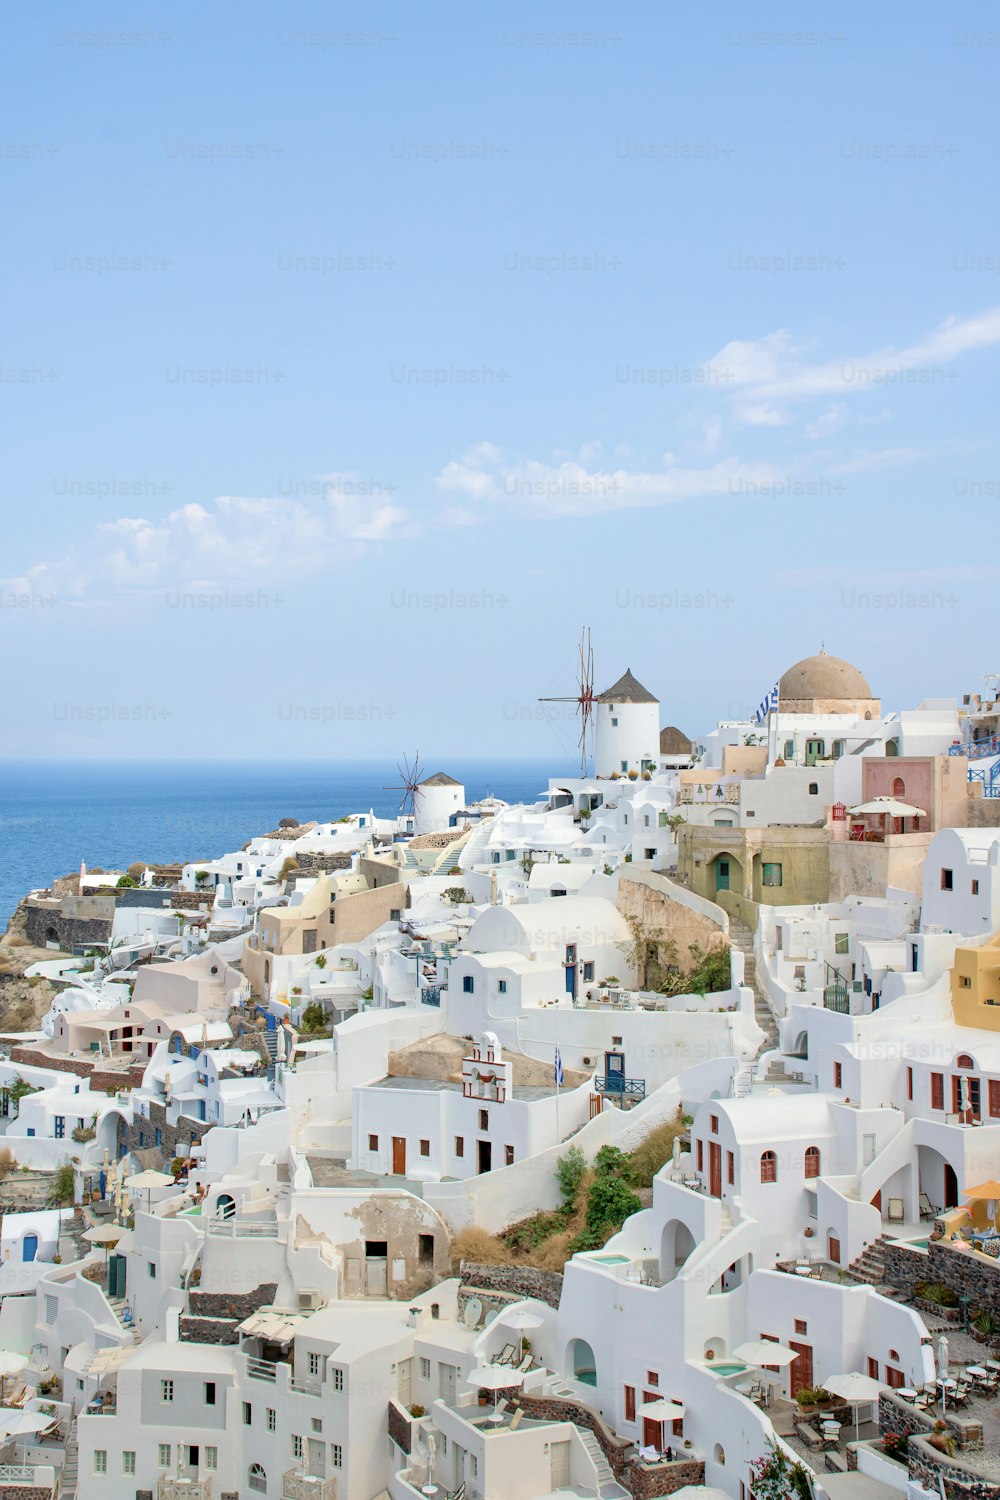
[(52, 814)]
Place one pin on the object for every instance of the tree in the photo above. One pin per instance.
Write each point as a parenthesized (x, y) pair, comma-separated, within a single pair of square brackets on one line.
[(62, 1183), (313, 1018), (570, 1170), (125, 883)]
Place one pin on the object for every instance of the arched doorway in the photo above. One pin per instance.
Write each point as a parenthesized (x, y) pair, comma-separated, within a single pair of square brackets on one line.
[(225, 1206), (29, 1247), (725, 873), (676, 1244), (581, 1361)]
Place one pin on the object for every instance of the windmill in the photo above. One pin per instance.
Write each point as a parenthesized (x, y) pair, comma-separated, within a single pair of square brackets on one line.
[(584, 697), (409, 782)]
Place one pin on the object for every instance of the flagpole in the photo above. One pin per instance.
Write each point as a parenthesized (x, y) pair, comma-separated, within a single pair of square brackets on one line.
[(558, 1071)]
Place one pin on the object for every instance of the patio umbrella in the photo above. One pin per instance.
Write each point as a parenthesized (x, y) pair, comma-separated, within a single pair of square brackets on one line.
[(676, 1152), (661, 1411), (891, 807), (942, 1367), (521, 1319), (854, 1388), (18, 1424), (105, 1235), (495, 1378), (148, 1180), (990, 1191), (763, 1352)]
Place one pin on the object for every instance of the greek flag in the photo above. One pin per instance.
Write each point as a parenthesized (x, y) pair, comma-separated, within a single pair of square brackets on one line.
[(557, 1071), (768, 705)]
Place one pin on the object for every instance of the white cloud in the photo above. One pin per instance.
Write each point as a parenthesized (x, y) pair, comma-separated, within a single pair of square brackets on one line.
[(774, 369), (828, 422), (232, 542)]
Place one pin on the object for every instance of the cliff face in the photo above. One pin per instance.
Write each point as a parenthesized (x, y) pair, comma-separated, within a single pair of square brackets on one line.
[(23, 1002)]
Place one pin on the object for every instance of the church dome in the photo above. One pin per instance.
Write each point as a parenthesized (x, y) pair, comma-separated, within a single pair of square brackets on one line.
[(822, 677)]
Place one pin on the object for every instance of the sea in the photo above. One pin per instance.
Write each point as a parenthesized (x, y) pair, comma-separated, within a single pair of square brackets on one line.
[(55, 814)]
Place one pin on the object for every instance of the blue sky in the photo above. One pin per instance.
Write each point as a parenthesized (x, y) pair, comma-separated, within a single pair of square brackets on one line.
[(354, 358)]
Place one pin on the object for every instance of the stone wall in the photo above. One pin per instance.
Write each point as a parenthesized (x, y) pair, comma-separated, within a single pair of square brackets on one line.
[(641, 1481), (903, 1268), (982, 812), (209, 1330), (517, 1281), (101, 1078), (238, 1305), (674, 926), (975, 1276), (400, 1425), (175, 1138), (81, 921), (321, 864), (25, 1491)]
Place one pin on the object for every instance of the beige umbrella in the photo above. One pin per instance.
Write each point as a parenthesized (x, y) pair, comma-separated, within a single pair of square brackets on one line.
[(105, 1235), (661, 1410), (495, 1378), (763, 1352), (148, 1180), (856, 1389)]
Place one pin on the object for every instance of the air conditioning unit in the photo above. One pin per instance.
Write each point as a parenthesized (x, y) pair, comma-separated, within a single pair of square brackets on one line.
[(310, 1300)]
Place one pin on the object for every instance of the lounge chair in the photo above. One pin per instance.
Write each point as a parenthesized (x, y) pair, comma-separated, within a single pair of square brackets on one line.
[(516, 1419), (927, 1209), (501, 1407), (507, 1355)]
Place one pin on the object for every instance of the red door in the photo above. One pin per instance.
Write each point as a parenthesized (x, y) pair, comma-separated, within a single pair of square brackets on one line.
[(399, 1156), (801, 1368), (652, 1431), (715, 1169), (834, 1250)]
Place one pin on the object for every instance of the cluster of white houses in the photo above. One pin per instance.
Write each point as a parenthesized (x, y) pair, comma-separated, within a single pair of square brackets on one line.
[(354, 1041)]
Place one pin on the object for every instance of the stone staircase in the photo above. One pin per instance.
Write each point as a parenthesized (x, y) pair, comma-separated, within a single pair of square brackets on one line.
[(869, 1267), (741, 938), (71, 1466), (607, 1485)]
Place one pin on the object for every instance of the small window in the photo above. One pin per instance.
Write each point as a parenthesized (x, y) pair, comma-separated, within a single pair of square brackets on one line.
[(909, 1083), (652, 1378), (338, 1456), (425, 1368), (964, 982), (937, 1091), (768, 1166), (814, 788), (842, 942), (257, 1479), (270, 1417), (963, 1060), (166, 1390), (508, 1156), (128, 1461), (151, 1270), (100, 1461), (460, 1145), (947, 880), (614, 723), (501, 986), (247, 1414), (811, 1161), (801, 1326), (211, 1458), (468, 984), (484, 1119), (314, 1359), (209, 1392), (838, 1075), (699, 1151), (771, 874), (714, 1121), (373, 1143), (338, 1378), (630, 1403), (316, 1424), (789, 749), (296, 1445), (425, 1148), (163, 1455), (730, 1168), (588, 972), (975, 887)]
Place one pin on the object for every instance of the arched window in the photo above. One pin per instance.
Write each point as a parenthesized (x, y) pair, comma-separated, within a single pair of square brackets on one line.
[(257, 1479), (812, 1161), (963, 1060), (768, 1166), (898, 786)]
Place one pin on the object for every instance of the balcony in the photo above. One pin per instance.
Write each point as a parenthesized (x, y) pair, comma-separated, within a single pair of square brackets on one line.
[(297, 1485), (183, 1487), (239, 1229)]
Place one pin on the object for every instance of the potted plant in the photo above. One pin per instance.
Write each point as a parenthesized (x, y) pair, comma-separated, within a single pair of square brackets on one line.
[(484, 1397)]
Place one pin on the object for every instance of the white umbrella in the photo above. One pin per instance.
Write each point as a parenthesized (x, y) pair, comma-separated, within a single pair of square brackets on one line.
[(661, 1410), (942, 1356), (676, 1151), (891, 807), (521, 1320), (763, 1352), (21, 1423), (855, 1389), (495, 1378)]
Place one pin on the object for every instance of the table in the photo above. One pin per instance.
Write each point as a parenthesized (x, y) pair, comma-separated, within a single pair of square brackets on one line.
[(907, 1393), (992, 1364), (803, 1270), (977, 1371)]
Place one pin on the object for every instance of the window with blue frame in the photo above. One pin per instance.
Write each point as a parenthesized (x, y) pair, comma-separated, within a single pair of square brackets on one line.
[(468, 984), (60, 1126)]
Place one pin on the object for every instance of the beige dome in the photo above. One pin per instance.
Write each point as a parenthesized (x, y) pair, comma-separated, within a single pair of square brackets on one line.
[(822, 677)]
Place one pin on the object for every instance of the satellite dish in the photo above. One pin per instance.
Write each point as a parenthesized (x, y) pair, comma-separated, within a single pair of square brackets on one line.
[(491, 1315), (473, 1312)]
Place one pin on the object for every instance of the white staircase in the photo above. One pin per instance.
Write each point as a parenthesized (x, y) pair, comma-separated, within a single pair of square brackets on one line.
[(607, 1485), (71, 1463)]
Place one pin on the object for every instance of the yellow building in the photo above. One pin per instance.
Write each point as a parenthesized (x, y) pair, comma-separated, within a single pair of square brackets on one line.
[(975, 985)]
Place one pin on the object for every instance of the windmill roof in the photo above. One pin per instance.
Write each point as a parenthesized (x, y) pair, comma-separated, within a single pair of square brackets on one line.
[(440, 778), (627, 690)]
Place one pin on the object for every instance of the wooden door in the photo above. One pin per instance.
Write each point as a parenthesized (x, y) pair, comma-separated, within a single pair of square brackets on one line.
[(399, 1156), (560, 1470), (801, 1369), (715, 1169), (834, 1250)]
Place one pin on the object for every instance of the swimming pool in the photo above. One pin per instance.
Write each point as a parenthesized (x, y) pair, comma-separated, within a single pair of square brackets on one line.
[(612, 1260), (733, 1367)]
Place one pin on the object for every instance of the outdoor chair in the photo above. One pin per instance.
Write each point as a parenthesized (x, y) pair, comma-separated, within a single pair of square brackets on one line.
[(927, 1209), (506, 1356), (516, 1419), (921, 1400)]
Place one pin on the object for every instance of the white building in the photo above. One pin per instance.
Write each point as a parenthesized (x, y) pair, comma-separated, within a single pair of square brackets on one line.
[(626, 729)]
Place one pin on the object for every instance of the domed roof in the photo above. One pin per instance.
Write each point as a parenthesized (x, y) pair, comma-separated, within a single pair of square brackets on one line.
[(822, 676)]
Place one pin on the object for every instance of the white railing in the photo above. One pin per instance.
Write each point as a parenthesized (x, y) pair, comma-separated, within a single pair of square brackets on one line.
[(19, 1472), (177, 1487), (296, 1485), (235, 1229), (262, 1369)]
